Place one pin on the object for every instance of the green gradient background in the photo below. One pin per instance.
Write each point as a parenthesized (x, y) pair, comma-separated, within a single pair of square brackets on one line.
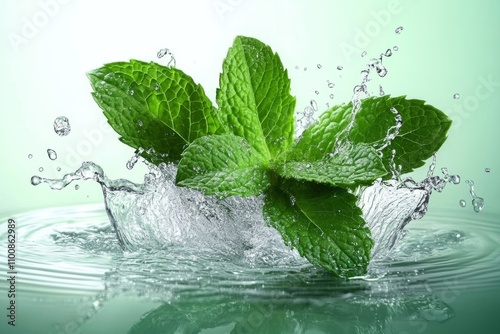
[(446, 47)]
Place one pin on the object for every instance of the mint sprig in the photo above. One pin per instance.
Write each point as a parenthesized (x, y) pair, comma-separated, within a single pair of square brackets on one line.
[(157, 108), (245, 147), (224, 165), (421, 135), (323, 224), (254, 97)]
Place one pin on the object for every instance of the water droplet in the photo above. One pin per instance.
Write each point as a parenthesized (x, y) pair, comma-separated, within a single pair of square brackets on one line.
[(456, 96), (399, 30), (392, 133), (331, 85), (40, 169), (388, 53), (381, 90), (331, 96), (477, 202), (316, 92), (139, 123), (133, 160), (395, 48), (131, 92), (77, 187), (462, 203), (340, 68), (314, 105), (297, 67), (52, 154), (305, 68), (30, 156), (157, 87), (376, 64), (58, 169), (487, 170), (364, 53), (319, 66), (162, 53), (61, 126), (455, 179), (36, 180)]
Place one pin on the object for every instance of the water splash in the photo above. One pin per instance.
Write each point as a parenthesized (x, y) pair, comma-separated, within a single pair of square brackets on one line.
[(62, 126), (360, 92), (393, 131), (387, 219), (376, 64), (133, 160), (157, 213), (88, 171), (166, 52), (305, 118), (477, 202)]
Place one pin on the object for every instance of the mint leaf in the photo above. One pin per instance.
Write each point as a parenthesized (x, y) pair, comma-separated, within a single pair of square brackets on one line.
[(254, 97), (356, 165), (224, 165), (323, 224), (153, 107), (423, 132)]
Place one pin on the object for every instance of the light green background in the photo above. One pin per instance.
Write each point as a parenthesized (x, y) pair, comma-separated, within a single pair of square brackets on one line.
[(446, 47)]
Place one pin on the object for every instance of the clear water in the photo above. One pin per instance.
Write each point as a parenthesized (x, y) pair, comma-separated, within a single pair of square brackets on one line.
[(73, 263), (74, 276)]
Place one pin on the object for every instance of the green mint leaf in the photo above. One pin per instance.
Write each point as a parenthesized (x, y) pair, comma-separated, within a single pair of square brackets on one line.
[(254, 97), (359, 164), (153, 107), (422, 134), (323, 224), (224, 165)]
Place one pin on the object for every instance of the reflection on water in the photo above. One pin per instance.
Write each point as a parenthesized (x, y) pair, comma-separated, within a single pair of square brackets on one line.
[(74, 251)]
